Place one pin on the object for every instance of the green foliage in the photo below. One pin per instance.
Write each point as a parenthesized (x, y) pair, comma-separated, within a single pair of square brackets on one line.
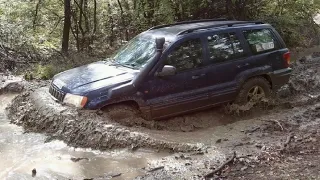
[(102, 28), (57, 64), (28, 76), (17, 22), (45, 72), (291, 18)]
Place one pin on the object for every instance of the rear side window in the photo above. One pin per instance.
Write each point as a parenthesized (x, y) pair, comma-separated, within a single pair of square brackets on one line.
[(186, 56), (223, 47), (261, 40)]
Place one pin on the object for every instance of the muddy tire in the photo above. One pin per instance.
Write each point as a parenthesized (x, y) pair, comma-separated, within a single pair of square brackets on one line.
[(257, 87), (122, 111)]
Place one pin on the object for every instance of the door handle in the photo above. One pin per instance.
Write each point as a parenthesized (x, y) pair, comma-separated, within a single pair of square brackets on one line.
[(243, 65), (198, 76)]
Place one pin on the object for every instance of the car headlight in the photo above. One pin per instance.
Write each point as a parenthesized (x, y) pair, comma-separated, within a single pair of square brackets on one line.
[(78, 101)]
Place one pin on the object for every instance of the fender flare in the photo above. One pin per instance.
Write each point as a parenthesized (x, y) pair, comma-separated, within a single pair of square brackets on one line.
[(248, 74)]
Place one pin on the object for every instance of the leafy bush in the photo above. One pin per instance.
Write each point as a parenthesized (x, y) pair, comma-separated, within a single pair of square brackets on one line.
[(57, 64), (45, 72)]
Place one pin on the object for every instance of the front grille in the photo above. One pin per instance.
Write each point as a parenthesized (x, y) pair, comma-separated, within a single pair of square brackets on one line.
[(57, 93)]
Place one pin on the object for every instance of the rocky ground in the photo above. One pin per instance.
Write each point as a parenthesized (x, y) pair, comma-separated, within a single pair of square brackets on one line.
[(278, 139)]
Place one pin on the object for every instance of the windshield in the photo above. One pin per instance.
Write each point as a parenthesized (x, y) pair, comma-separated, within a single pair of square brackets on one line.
[(136, 53)]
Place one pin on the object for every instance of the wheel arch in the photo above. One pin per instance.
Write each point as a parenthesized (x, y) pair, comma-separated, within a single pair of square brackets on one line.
[(252, 73), (265, 76), (145, 111), (129, 102)]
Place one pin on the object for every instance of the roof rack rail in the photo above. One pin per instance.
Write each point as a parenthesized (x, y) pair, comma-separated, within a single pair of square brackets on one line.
[(188, 22), (219, 25)]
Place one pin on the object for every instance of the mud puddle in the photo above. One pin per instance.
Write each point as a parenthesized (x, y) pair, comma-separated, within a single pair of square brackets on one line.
[(21, 152)]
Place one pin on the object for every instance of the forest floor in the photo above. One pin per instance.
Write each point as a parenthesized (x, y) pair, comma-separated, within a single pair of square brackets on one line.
[(279, 139)]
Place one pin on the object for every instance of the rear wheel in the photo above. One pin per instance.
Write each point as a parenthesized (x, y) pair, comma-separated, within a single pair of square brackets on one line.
[(254, 90)]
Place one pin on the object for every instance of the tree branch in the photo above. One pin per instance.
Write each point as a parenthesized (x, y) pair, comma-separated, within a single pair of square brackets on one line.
[(210, 175)]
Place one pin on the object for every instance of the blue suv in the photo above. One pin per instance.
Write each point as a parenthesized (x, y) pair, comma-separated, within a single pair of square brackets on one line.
[(178, 68)]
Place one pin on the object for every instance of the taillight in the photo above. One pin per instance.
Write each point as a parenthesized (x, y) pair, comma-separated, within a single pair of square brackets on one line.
[(286, 58)]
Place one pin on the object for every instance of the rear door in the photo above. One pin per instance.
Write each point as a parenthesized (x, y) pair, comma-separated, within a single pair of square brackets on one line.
[(184, 91), (227, 58)]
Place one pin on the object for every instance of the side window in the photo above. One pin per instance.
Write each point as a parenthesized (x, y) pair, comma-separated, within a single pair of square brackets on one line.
[(260, 40), (187, 55), (223, 47)]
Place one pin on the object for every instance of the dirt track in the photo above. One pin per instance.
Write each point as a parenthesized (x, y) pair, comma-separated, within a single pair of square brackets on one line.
[(202, 141)]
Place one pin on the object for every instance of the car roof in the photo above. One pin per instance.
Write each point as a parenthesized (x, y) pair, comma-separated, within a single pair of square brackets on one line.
[(171, 31)]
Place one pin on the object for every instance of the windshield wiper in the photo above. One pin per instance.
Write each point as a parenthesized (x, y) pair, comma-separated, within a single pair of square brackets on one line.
[(127, 65), (115, 64)]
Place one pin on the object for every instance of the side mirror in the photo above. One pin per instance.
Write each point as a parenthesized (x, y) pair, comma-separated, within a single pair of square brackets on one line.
[(167, 71), (159, 43)]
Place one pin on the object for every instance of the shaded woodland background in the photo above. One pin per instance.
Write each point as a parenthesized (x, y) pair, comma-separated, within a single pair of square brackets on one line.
[(44, 33)]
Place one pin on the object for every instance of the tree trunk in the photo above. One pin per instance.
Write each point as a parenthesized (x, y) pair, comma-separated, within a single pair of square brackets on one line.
[(86, 15), (80, 6), (67, 26), (36, 14), (122, 26), (111, 22), (95, 21), (75, 28)]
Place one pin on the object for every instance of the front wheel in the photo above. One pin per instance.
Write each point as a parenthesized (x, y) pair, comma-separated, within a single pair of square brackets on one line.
[(254, 90), (122, 111), (125, 112)]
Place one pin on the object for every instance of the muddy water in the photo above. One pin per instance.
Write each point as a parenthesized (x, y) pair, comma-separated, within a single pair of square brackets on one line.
[(21, 152)]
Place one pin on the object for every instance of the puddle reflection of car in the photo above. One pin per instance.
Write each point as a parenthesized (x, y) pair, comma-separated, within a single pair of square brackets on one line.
[(178, 68)]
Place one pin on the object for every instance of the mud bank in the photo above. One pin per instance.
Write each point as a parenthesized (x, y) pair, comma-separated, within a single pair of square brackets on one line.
[(38, 112)]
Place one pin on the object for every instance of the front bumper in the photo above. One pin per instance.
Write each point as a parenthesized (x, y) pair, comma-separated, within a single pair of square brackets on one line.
[(280, 78)]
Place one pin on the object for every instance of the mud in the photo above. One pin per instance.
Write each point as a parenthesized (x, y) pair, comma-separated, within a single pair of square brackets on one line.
[(38, 112), (200, 142), (27, 156), (10, 84)]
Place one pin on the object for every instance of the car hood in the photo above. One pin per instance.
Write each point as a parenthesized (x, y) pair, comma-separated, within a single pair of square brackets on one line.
[(92, 76)]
